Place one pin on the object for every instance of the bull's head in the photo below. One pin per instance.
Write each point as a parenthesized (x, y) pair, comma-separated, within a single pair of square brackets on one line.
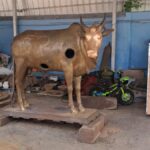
[(93, 36)]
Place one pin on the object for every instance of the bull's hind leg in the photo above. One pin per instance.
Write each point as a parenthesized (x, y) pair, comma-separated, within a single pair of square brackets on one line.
[(68, 71), (26, 103), (19, 77), (77, 81)]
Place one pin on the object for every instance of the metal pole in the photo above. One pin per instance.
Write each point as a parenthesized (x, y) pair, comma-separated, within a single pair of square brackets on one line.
[(148, 84), (14, 11), (114, 12)]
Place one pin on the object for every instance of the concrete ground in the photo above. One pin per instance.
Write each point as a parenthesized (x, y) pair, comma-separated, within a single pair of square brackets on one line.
[(128, 128)]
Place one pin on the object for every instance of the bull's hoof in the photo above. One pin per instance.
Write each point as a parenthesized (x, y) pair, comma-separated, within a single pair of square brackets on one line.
[(74, 110), (26, 104), (22, 108), (81, 108)]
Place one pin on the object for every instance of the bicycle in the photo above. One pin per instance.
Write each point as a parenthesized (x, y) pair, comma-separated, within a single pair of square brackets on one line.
[(119, 89)]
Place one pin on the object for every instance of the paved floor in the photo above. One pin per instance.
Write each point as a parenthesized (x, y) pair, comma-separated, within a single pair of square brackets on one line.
[(128, 128)]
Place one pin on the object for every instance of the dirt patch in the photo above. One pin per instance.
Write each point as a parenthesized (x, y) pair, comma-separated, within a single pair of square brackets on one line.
[(8, 146), (107, 131)]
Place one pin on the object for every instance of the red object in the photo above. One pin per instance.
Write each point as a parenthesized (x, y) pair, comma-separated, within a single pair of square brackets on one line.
[(87, 83)]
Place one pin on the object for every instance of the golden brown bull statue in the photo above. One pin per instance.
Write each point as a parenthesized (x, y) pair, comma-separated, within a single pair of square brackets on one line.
[(73, 50)]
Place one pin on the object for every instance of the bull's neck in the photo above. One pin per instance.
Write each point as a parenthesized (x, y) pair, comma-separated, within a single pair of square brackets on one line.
[(90, 62)]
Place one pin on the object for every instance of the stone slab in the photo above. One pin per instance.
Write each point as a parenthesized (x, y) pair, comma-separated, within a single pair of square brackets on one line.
[(90, 133), (46, 108)]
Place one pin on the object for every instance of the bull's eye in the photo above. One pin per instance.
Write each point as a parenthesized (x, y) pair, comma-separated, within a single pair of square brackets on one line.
[(97, 37), (43, 66), (88, 37), (69, 53)]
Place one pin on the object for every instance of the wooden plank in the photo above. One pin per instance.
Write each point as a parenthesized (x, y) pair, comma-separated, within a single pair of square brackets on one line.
[(46, 108)]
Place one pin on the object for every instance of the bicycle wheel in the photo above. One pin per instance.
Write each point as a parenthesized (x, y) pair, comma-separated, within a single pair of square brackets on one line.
[(126, 98)]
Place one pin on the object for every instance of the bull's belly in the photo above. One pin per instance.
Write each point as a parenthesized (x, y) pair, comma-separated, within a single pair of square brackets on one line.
[(54, 63), (77, 71), (46, 66)]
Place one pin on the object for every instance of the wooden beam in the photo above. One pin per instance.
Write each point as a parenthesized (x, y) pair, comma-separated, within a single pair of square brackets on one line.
[(68, 16)]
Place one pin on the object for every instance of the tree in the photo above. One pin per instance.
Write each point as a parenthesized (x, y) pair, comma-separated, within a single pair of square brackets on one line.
[(129, 4)]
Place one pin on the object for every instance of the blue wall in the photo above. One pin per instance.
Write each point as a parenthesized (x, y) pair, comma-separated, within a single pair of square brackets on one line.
[(6, 36), (133, 35)]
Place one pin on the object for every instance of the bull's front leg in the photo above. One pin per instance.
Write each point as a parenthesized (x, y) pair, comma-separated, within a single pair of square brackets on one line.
[(19, 77), (68, 71), (77, 81)]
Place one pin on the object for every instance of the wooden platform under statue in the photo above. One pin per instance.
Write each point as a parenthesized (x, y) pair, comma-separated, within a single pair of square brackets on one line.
[(56, 109)]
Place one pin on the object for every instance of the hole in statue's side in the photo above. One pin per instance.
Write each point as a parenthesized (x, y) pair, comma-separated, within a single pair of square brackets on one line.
[(69, 53), (43, 66)]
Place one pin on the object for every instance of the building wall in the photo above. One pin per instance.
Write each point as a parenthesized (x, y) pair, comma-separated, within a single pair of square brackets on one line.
[(133, 35)]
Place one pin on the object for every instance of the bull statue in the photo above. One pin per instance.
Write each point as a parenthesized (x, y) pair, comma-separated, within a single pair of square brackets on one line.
[(73, 50)]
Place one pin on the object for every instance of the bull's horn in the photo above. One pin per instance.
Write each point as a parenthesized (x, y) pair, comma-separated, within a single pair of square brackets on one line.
[(103, 21), (82, 23)]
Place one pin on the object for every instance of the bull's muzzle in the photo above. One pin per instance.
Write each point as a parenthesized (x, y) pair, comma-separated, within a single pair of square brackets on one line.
[(92, 54)]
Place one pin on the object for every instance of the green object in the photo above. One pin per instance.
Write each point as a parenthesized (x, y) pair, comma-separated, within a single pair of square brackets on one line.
[(126, 97), (124, 79), (129, 4)]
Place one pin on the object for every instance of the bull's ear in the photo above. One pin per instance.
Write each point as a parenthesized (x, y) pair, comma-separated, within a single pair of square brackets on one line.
[(107, 32)]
